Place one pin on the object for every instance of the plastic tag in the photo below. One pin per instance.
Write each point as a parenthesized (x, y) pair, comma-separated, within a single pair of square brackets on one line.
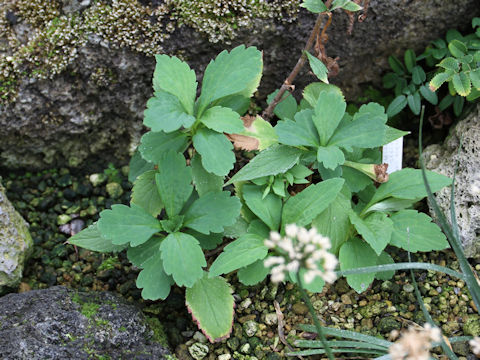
[(392, 154)]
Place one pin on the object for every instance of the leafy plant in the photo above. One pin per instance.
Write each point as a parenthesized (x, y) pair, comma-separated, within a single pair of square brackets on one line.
[(455, 61), (316, 167)]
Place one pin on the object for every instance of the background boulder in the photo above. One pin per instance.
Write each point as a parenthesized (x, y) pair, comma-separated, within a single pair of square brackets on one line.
[(15, 243), (59, 323), (443, 159), (75, 75)]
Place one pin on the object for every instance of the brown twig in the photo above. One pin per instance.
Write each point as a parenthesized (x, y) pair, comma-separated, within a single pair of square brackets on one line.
[(267, 114)]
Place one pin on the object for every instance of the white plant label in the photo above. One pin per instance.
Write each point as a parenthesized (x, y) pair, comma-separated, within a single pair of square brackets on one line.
[(392, 154)]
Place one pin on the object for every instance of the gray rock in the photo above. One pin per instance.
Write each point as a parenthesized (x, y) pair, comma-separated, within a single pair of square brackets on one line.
[(15, 243), (71, 6), (198, 351), (59, 323), (92, 111), (443, 159)]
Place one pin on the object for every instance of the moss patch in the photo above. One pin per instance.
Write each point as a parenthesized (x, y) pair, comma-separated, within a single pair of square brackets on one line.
[(55, 36)]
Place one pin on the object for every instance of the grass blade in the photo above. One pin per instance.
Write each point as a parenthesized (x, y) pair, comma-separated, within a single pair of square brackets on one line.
[(402, 266)]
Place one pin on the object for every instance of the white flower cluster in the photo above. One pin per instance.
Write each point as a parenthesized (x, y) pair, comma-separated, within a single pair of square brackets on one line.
[(475, 344), (301, 248), (415, 344)]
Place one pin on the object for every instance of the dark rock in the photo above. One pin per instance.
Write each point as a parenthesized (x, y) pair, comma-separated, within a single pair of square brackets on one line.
[(59, 323)]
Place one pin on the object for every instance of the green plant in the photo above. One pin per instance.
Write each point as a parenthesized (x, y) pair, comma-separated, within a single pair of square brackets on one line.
[(316, 167), (455, 61)]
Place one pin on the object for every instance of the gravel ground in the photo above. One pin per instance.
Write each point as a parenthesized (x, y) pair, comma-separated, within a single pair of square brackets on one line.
[(57, 202)]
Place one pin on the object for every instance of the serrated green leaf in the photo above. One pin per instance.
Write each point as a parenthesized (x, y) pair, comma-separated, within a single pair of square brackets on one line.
[(330, 156), (165, 113), (461, 83), (345, 4), (204, 181), (183, 258), (390, 80), (300, 132), (314, 6), (242, 252), (328, 112), (458, 102), (211, 303), (235, 72), (236, 230), (272, 161), (212, 211), (354, 254), (414, 103), (154, 144), (445, 102), (286, 108), (216, 150), (174, 182), (222, 119), (391, 204), (410, 59), (392, 134), (253, 273), (175, 77), (439, 79), (137, 166), (334, 222), (91, 239), (457, 48), (418, 75), (145, 193), (414, 231), (355, 180), (313, 90), (371, 110), (318, 67), (397, 105), (262, 131), (376, 229), (453, 34), (268, 208), (302, 208), (408, 184), (153, 280), (449, 63), (207, 242), (384, 259), (364, 133), (475, 78), (259, 228), (351, 6), (429, 95), (125, 224), (138, 255), (396, 65), (474, 94)]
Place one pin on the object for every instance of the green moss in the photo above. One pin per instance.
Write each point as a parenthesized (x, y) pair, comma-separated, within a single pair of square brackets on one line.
[(159, 335), (89, 309), (123, 24)]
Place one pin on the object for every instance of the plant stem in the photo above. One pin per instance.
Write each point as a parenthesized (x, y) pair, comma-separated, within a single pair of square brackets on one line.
[(328, 351), (287, 84)]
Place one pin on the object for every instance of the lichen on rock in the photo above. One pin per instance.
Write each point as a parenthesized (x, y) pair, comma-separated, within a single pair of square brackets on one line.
[(15, 243), (443, 159)]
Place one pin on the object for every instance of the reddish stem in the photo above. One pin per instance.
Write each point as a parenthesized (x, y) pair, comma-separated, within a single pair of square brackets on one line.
[(287, 84)]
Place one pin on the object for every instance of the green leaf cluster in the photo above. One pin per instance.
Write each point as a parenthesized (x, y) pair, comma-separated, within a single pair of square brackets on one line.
[(316, 167), (318, 6), (454, 60)]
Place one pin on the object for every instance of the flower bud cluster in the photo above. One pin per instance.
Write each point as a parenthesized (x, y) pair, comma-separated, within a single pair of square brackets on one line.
[(415, 344), (301, 249)]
